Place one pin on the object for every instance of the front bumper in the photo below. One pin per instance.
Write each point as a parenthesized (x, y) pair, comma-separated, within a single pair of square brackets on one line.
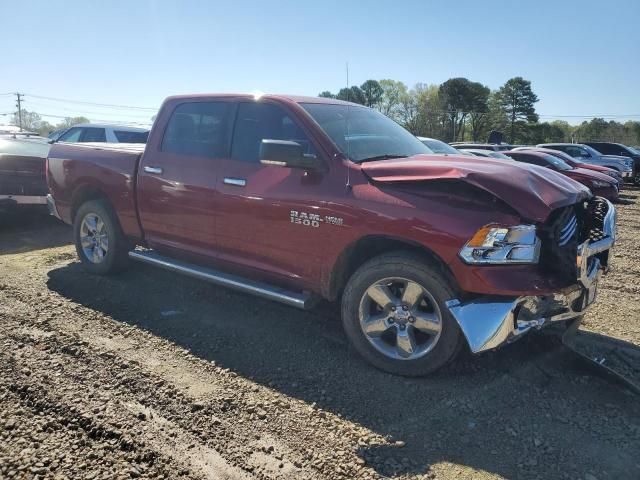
[(488, 322)]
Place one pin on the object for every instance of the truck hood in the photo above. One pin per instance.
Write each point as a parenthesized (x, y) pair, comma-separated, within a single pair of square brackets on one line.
[(534, 192)]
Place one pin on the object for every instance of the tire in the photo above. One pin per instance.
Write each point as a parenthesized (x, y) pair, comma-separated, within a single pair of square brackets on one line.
[(363, 317), (108, 243)]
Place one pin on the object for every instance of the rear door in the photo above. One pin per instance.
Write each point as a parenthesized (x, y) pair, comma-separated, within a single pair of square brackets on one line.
[(177, 177)]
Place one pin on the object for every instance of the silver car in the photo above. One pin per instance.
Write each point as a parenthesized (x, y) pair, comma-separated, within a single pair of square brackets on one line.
[(587, 154)]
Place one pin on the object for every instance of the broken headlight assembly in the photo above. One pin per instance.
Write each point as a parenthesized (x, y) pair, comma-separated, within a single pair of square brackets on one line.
[(496, 244)]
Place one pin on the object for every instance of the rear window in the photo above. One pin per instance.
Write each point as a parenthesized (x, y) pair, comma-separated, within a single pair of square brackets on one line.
[(198, 128), (124, 136)]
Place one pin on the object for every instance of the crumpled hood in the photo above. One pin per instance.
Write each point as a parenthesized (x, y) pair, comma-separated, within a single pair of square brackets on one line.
[(532, 191)]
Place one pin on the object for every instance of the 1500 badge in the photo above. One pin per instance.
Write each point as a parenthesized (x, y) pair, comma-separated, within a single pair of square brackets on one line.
[(313, 219)]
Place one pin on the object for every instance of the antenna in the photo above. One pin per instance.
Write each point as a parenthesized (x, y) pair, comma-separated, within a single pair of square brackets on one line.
[(347, 131)]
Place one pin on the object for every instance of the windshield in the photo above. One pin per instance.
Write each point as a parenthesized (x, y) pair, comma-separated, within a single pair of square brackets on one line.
[(500, 155), (592, 151), (362, 134), (439, 147), (557, 163)]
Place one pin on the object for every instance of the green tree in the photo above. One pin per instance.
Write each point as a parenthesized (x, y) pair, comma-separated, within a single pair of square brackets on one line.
[(71, 121), (517, 100), (326, 94), (372, 92), (30, 121), (390, 100), (479, 105), (353, 94), (460, 99)]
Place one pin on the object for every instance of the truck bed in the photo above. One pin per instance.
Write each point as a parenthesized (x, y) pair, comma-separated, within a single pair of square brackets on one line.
[(96, 169)]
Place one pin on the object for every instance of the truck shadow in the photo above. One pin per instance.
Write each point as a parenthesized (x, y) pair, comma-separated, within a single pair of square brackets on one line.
[(503, 412), (25, 230)]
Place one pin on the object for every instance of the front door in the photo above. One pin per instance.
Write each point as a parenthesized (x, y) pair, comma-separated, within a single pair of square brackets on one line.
[(177, 178), (271, 217)]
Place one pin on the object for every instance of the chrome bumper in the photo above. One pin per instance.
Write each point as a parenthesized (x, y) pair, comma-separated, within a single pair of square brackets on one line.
[(24, 199), (51, 205), (489, 322)]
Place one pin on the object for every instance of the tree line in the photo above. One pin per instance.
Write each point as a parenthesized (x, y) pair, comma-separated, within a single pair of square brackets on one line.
[(462, 110), (32, 122)]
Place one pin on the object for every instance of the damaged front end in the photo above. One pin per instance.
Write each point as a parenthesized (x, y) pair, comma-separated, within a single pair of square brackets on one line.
[(575, 244)]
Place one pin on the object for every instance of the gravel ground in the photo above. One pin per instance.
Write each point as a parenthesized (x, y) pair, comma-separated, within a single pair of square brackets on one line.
[(151, 375)]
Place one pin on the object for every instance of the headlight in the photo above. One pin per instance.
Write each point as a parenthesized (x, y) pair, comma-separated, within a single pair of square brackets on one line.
[(496, 244), (613, 174), (628, 162), (599, 184)]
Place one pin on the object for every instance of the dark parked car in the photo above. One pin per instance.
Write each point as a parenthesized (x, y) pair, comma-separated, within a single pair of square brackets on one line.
[(22, 171), (300, 198), (599, 184), (609, 148)]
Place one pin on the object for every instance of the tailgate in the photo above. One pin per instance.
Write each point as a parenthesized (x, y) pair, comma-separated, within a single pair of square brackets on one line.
[(22, 175)]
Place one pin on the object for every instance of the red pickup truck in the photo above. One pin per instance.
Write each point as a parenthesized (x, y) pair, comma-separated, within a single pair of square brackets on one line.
[(296, 199)]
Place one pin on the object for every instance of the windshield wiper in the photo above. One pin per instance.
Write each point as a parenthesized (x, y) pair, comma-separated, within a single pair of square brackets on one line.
[(386, 156)]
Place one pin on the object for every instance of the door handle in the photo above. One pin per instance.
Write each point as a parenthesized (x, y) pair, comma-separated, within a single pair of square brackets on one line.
[(238, 182), (154, 170)]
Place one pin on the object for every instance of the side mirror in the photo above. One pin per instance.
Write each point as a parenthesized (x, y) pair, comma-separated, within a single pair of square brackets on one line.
[(284, 153)]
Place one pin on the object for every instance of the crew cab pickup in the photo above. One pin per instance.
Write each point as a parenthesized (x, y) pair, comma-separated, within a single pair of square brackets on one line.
[(297, 199)]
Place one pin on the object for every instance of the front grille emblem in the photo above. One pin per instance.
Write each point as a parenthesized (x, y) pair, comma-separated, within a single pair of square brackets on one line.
[(568, 231)]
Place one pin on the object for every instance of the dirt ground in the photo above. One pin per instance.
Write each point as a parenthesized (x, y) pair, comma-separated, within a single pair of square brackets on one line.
[(151, 375)]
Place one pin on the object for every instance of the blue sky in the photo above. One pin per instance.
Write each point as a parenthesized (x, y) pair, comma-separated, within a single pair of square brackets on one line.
[(583, 57)]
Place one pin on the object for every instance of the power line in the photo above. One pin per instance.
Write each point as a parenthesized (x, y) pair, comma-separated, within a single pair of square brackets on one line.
[(108, 105), (133, 115), (98, 120)]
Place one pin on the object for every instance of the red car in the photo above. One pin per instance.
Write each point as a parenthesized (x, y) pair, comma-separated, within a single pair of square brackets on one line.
[(600, 184), (574, 162), (300, 198)]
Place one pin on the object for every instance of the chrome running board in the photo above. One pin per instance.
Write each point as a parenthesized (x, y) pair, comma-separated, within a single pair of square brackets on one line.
[(299, 300)]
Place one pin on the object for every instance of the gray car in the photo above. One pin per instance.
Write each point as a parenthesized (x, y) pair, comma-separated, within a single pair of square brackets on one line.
[(587, 154)]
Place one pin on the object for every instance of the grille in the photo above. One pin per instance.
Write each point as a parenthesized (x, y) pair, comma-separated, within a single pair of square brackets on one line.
[(596, 211), (567, 228)]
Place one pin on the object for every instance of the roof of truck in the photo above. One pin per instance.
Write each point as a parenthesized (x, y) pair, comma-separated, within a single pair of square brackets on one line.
[(256, 96)]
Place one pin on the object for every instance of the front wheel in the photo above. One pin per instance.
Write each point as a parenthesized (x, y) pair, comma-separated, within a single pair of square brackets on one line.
[(100, 243), (394, 314)]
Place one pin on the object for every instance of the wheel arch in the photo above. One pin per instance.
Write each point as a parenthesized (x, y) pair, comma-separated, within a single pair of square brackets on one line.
[(84, 193), (370, 246)]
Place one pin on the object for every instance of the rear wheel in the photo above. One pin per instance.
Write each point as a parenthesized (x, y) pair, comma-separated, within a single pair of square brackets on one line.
[(100, 243), (394, 314)]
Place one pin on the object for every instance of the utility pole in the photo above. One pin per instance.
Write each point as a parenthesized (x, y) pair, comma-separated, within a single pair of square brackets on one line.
[(19, 105)]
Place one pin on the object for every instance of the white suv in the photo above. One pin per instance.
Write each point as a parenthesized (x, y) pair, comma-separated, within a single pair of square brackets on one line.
[(94, 132)]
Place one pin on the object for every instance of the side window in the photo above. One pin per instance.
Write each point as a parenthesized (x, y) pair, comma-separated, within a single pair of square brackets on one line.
[(94, 135), (258, 121), (575, 152), (198, 128), (124, 136), (71, 135)]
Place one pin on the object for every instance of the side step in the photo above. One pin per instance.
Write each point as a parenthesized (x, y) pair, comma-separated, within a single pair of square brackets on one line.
[(299, 300)]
